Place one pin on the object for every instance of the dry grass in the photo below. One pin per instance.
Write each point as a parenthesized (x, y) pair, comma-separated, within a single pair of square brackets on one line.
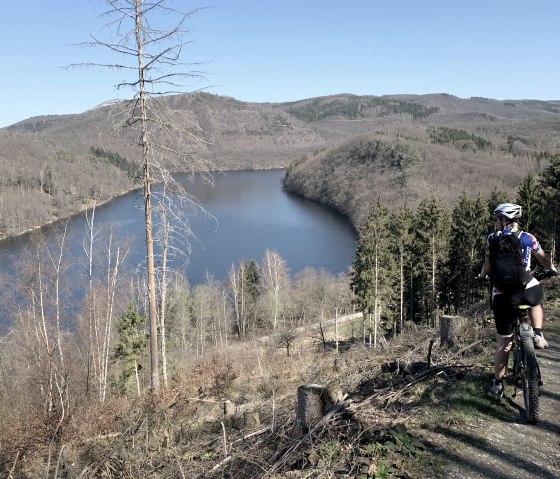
[(379, 430)]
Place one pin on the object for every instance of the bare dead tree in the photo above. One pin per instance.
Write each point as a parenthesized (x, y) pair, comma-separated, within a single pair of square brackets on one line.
[(275, 278), (150, 50)]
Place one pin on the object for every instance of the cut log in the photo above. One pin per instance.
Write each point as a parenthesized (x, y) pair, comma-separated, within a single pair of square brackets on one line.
[(450, 329), (314, 401), (251, 420), (309, 406)]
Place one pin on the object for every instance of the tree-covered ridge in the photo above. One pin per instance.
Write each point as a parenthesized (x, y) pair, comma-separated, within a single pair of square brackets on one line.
[(406, 166), (240, 135), (549, 106), (459, 137), (43, 182), (356, 106), (336, 177), (131, 169)]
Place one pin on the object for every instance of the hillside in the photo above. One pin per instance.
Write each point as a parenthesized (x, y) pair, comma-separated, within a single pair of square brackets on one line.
[(398, 415), (450, 144), (436, 145)]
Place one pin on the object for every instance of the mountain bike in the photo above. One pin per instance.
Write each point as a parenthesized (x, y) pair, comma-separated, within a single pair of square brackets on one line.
[(526, 371)]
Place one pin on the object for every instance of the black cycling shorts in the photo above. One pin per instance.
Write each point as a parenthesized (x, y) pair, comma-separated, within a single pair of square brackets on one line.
[(505, 307)]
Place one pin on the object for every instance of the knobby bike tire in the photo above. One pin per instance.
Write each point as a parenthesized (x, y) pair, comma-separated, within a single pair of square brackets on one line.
[(530, 380)]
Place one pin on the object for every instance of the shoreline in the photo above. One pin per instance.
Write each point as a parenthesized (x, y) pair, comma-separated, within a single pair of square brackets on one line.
[(88, 206), (53, 222)]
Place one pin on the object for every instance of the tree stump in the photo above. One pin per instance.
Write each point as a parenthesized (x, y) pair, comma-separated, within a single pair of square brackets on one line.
[(309, 406), (450, 328), (229, 408), (251, 420)]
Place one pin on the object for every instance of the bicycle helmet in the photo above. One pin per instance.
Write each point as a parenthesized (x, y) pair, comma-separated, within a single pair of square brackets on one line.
[(510, 211)]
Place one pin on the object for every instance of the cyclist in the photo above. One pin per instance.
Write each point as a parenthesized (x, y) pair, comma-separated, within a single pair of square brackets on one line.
[(504, 305)]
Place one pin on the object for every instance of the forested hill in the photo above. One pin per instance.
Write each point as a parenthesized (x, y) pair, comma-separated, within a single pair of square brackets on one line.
[(344, 149), (418, 147)]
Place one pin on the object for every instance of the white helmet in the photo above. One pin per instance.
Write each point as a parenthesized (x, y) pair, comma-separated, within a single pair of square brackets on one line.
[(510, 211)]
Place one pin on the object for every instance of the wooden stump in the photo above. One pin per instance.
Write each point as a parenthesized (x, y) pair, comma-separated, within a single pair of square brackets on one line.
[(251, 420), (229, 408), (309, 405), (450, 328)]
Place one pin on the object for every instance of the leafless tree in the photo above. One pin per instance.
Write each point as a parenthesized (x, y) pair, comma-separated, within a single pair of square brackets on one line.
[(275, 278), (151, 51)]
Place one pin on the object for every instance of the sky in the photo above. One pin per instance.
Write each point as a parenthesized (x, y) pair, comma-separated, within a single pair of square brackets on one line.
[(277, 51)]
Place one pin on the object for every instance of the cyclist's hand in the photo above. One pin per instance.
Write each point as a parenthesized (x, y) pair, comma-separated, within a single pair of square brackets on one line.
[(479, 277)]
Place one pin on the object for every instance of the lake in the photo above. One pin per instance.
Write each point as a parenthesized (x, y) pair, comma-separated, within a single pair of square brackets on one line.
[(251, 213)]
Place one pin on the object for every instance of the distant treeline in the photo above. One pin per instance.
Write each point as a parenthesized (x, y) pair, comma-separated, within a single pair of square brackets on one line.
[(353, 107), (131, 169)]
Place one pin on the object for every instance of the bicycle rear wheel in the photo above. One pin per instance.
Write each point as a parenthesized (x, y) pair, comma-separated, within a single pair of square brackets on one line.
[(530, 380)]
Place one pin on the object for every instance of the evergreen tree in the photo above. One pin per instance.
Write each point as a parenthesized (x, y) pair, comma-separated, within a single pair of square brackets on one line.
[(469, 227), (131, 347), (530, 199), (371, 276), (494, 199), (431, 245), (550, 212), (401, 226), (251, 278)]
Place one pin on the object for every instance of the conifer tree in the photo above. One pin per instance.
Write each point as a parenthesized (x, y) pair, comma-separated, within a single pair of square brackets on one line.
[(401, 226), (432, 227), (131, 347), (495, 198), (370, 277), (469, 227), (529, 198), (550, 212)]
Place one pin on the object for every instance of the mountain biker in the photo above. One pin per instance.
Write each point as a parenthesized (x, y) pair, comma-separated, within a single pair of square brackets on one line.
[(504, 305)]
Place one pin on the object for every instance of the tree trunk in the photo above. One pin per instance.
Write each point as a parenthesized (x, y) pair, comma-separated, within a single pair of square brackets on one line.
[(144, 141)]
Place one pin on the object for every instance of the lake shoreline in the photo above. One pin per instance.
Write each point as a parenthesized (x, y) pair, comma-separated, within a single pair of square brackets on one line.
[(87, 207)]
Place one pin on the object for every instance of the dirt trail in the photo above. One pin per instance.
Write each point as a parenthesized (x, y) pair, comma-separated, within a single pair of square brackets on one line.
[(512, 448)]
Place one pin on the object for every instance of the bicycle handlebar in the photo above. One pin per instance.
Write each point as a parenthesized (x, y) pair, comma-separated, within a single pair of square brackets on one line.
[(547, 273)]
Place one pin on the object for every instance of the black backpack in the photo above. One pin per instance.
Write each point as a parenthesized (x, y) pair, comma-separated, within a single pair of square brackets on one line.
[(508, 272)]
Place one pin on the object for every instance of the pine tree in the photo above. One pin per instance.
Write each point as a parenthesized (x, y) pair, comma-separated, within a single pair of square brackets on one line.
[(469, 228), (496, 198), (370, 277), (131, 347), (431, 245), (550, 213), (530, 199), (401, 226)]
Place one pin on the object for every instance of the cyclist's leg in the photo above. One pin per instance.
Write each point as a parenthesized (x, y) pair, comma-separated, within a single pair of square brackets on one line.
[(534, 297), (501, 356), (537, 314), (504, 317)]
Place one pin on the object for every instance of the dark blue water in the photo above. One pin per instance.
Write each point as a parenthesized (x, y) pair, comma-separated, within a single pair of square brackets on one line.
[(252, 213)]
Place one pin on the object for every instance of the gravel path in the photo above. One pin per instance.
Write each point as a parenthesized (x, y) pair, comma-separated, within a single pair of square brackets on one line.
[(512, 448)]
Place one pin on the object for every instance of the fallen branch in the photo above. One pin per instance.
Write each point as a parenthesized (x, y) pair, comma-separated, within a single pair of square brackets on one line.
[(466, 348), (215, 468)]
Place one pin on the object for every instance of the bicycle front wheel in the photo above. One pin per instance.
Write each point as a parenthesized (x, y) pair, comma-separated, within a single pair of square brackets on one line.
[(530, 380)]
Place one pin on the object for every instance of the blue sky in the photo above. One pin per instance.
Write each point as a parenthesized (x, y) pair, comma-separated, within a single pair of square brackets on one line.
[(263, 50)]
